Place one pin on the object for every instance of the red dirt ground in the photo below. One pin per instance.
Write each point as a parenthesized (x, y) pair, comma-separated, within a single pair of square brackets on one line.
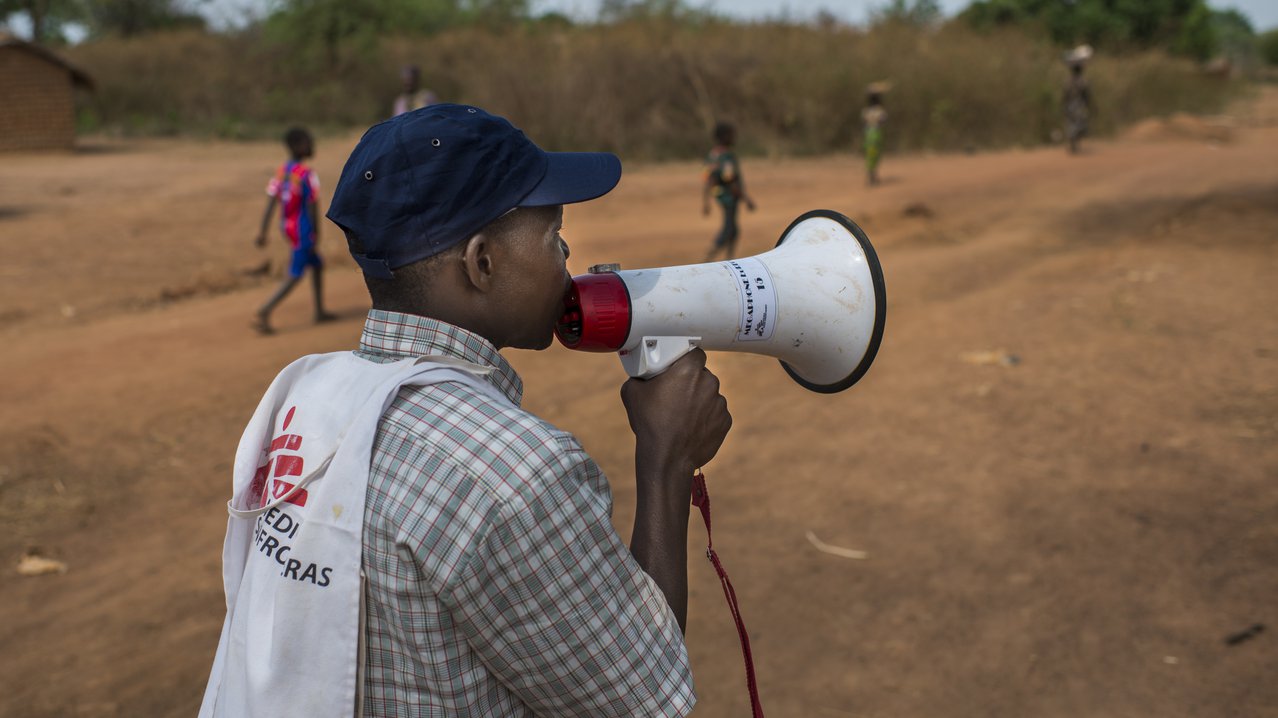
[(1073, 535)]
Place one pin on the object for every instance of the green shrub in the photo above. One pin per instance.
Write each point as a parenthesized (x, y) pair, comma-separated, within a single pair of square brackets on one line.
[(1269, 47)]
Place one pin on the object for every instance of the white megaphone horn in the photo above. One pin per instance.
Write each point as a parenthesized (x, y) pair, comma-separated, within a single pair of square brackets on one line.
[(816, 302)]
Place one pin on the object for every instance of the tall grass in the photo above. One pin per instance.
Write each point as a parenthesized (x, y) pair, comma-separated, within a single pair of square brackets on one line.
[(646, 89)]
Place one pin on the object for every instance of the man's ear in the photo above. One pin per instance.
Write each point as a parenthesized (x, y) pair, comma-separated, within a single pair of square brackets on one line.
[(477, 262)]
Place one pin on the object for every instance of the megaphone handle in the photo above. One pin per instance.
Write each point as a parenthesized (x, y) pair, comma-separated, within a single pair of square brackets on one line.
[(654, 355), (701, 499)]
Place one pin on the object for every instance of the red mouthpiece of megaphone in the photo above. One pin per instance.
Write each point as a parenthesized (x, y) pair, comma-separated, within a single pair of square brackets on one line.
[(596, 314)]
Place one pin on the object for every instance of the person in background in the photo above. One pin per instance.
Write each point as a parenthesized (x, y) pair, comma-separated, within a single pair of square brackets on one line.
[(295, 188), (413, 97), (723, 180), (1077, 98), (873, 117)]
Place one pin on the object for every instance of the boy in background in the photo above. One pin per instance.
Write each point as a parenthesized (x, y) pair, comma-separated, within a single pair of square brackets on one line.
[(873, 117), (1077, 98), (723, 180), (412, 96), (295, 188)]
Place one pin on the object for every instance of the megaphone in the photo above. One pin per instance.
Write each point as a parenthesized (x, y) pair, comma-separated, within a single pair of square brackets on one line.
[(816, 302)]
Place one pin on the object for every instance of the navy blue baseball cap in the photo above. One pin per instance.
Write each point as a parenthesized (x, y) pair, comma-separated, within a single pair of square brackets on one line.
[(426, 180)]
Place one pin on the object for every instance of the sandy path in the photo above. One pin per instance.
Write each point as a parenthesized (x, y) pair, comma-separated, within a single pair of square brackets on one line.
[(1072, 535)]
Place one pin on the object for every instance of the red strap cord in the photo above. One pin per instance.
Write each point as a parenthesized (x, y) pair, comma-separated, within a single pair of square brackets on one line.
[(701, 499)]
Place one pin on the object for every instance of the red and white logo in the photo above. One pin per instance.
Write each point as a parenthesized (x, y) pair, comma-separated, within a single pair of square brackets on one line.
[(280, 465)]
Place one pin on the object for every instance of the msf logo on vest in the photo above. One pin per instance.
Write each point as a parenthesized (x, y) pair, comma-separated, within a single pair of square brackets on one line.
[(280, 464)]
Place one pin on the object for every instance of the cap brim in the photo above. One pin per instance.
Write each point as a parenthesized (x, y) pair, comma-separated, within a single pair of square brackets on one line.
[(574, 177)]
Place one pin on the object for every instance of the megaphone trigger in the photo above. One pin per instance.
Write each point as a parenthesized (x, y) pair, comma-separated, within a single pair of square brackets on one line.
[(654, 355), (816, 302)]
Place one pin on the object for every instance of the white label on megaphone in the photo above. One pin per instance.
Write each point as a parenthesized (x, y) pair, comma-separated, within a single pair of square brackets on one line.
[(757, 296)]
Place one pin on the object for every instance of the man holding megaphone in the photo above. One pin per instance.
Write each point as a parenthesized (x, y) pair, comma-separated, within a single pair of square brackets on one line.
[(404, 538)]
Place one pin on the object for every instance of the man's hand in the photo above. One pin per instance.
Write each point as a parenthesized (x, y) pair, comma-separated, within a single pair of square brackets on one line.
[(680, 420), (260, 240), (679, 417), (705, 209), (749, 204)]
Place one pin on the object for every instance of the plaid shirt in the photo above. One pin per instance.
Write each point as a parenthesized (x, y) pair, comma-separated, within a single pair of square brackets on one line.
[(496, 584)]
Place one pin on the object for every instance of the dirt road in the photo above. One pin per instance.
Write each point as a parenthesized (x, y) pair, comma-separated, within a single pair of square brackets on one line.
[(1075, 533)]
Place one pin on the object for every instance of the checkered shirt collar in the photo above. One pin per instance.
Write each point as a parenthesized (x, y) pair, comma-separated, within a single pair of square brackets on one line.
[(394, 335)]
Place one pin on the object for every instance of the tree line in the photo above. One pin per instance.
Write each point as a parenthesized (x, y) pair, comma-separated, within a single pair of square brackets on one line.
[(1185, 27)]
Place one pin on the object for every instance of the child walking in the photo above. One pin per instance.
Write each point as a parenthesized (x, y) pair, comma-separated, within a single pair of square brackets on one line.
[(723, 180), (873, 117), (295, 188), (1077, 98)]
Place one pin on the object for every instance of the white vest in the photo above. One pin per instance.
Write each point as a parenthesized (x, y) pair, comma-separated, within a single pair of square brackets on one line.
[(292, 643)]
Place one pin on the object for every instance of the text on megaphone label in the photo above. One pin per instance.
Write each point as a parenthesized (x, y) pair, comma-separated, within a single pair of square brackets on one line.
[(757, 297)]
